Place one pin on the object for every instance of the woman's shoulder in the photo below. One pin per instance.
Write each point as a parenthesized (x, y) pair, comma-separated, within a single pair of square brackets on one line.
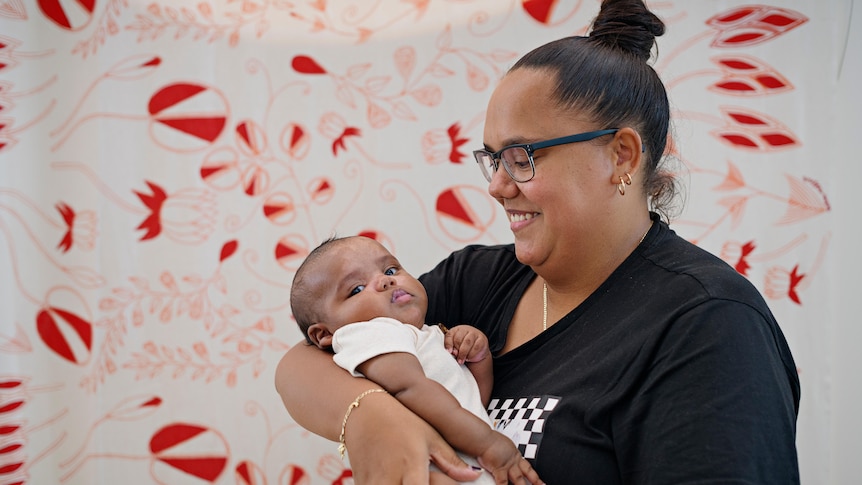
[(687, 264)]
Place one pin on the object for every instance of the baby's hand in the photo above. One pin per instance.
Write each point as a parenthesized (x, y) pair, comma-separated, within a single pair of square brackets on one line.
[(466, 343), (503, 460)]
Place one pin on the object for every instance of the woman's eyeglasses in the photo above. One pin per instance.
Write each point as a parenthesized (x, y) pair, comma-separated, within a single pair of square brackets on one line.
[(518, 159)]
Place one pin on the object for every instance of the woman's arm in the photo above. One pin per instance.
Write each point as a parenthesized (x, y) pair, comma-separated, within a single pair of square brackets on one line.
[(387, 443)]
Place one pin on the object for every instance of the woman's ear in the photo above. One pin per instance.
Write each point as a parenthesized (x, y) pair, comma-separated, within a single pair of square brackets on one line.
[(629, 148), (320, 335)]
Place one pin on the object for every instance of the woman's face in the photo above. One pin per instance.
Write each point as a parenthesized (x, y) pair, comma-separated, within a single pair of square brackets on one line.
[(562, 209)]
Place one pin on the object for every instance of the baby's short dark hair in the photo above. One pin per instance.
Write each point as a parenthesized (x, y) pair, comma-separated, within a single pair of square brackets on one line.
[(301, 305)]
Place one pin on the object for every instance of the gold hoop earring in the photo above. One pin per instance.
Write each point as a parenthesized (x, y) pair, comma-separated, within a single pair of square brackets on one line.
[(622, 185)]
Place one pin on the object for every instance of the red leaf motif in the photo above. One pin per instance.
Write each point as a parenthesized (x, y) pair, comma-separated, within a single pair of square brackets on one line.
[(750, 25), (306, 65), (771, 82), (11, 383), (8, 450), (748, 76), (736, 86), (746, 119), (228, 249), (755, 130), (12, 406), (735, 64), (778, 139), (738, 139)]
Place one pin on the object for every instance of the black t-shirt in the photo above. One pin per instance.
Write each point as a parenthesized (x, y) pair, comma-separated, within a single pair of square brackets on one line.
[(673, 371)]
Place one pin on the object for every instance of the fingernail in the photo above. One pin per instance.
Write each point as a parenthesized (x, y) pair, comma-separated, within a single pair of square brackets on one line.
[(476, 468)]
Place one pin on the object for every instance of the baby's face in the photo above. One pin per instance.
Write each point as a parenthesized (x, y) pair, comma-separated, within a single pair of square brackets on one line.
[(359, 280)]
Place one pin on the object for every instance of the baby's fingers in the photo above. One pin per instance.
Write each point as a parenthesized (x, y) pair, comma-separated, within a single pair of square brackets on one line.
[(524, 474)]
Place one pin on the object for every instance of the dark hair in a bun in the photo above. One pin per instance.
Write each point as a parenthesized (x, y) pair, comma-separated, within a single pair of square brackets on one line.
[(606, 75), (627, 26)]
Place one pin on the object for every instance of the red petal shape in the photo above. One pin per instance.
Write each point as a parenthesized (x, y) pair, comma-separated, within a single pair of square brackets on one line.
[(207, 469), (53, 338), (306, 65), (284, 251), (449, 204), (171, 95), (778, 139), (204, 128), (734, 86), (737, 64), (228, 249), (539, 9), (732, 16), (172, 435), (11, 383), (11, 448), (54, 11), (212, 169), (739, 140), (770, 81), (778, 20), (745, 119), (8, 408), (10, 468)]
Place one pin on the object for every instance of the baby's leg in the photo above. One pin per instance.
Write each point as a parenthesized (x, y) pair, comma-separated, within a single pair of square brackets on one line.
[(440, 478)]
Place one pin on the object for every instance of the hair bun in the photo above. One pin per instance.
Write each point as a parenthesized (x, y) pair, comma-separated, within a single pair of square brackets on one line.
[(627, 25)]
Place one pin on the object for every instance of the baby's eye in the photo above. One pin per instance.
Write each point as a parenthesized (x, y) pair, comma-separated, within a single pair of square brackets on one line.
[(356, 290), (390, 271)]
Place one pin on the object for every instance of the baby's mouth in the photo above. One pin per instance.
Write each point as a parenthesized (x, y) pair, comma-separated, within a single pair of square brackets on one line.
[(399, 295)]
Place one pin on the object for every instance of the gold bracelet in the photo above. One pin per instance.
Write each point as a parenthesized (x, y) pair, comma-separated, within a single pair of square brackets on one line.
[(342, 447)]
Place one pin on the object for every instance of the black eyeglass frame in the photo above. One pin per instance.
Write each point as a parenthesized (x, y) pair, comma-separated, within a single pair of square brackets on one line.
[(530, 148)]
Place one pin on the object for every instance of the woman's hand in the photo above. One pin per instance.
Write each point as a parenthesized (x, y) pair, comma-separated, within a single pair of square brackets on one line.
[(388, 444)]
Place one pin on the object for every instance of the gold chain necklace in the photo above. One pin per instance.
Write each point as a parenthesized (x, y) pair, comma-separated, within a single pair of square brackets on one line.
[(545, 289)]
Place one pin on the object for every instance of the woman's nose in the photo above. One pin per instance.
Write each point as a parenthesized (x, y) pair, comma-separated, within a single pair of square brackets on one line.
[(502, 186)]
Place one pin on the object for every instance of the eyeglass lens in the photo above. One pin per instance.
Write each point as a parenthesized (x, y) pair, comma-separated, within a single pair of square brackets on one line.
[(515, 160)]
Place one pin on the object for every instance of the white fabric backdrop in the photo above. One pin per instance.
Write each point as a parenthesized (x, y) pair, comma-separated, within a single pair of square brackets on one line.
[(165, 165)]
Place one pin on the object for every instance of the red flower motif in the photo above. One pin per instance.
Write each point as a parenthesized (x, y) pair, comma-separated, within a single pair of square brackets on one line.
[(781, 283), (152, 223), (332, 125), (739, 252), (80, 228), (187, 216), (439, 145), (68, 215)]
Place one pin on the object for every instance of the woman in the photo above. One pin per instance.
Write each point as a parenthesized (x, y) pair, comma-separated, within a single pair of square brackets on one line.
[(623, 353)]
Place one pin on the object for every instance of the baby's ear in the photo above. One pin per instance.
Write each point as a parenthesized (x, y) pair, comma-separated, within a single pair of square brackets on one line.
[(320, 335)]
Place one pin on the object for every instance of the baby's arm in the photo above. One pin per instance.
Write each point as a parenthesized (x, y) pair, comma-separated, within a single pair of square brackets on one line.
[(401, 374), (470, 346)]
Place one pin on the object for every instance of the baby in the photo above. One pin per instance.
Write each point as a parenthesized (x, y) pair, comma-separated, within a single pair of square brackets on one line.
[(351, 295)]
